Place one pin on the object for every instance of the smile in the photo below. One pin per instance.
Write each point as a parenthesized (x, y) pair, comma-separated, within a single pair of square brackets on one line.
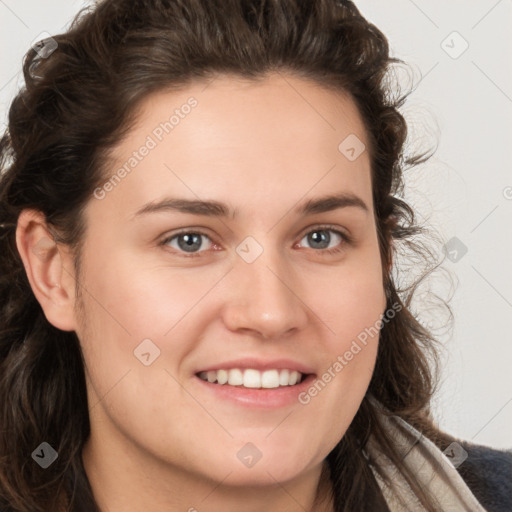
[(251, 378)]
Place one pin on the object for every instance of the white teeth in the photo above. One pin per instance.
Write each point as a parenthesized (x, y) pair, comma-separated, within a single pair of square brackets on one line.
[(284, 376), (270, 379), (222, 376), (251, 378), (294, 377), (235, 377)]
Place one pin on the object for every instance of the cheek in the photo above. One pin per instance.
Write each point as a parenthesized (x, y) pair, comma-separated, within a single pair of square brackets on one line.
[(132, 309), (353, 308), (350, 302), (137, 301)]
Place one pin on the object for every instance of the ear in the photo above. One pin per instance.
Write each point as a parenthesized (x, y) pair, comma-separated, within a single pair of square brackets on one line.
[(49, 268)]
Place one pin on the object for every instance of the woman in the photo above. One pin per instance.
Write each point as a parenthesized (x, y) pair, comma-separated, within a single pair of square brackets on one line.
[(172, 338)]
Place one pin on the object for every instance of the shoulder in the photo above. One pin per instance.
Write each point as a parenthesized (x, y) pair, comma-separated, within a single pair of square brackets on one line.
[(488, 473)]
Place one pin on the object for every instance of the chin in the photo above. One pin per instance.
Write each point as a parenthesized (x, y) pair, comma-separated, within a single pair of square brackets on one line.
[(264, 474)]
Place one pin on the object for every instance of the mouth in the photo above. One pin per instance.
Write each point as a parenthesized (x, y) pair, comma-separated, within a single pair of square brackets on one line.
[(254, 383), (252, 378)]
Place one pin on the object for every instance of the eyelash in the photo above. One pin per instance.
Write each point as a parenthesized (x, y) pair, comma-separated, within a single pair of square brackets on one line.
[(346, 240)]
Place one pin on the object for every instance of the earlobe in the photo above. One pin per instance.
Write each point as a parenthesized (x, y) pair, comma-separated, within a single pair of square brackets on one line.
[(48, 270)]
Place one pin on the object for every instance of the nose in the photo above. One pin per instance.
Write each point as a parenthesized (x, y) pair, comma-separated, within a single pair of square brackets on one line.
[(265, 298)]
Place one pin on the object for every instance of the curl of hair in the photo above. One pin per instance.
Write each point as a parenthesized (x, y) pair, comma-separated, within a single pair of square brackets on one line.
[(80, 102)]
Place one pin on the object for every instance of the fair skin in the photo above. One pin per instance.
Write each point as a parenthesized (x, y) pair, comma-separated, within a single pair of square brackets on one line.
[(163, 439)]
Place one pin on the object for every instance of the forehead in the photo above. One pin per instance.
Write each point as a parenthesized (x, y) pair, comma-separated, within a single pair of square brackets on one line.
[(251, 112), (248, 142)]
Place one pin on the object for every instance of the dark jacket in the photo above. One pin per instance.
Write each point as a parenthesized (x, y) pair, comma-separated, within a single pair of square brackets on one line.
[(488, 473)]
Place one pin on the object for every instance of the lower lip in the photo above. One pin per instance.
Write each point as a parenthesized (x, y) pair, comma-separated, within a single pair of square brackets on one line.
[(263, 398)]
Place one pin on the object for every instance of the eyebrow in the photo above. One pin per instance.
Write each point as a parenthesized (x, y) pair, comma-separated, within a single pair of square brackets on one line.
[(213, 208)]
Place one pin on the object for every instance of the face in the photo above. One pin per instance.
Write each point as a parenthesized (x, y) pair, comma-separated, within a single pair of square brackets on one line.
[(268, 281)]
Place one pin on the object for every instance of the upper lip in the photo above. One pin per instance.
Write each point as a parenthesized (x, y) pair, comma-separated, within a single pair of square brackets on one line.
[(259, 364)]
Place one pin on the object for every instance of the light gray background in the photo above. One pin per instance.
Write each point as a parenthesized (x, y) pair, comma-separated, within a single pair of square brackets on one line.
[(465, 190)]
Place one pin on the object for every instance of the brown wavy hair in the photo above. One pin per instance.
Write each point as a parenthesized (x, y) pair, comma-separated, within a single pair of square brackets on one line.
[(79, 102)]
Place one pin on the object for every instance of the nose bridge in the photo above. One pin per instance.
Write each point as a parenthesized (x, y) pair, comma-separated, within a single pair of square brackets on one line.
[(264, 298)]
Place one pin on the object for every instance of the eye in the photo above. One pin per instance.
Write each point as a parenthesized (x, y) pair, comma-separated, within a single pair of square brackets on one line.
[(187, 241), (321, 238)]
